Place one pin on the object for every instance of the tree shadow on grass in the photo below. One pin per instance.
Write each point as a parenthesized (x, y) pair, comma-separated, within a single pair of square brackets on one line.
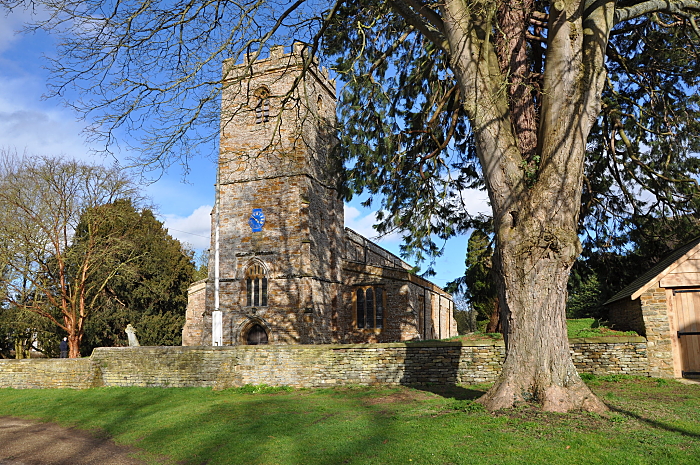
[(284, 428), (655, 423), (452, 391)]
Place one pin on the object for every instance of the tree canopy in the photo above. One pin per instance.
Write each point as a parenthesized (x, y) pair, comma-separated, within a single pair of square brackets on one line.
[(411, 142), (81, 259)]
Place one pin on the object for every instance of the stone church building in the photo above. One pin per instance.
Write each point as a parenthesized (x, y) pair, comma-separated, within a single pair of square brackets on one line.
[(282, 267)]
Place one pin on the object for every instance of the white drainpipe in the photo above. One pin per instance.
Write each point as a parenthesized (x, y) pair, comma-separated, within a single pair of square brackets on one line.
[(216, 320)]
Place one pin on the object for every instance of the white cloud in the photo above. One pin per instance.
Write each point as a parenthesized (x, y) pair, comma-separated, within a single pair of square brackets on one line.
[(355, 220), (362, 221), (195, 229), (9, 25), (29, 124), (476, 201), (39, 132)]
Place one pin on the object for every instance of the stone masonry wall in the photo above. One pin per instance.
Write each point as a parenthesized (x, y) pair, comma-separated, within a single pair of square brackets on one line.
[(432, 362), (658, 332), (194, 317), (161, 366), (626, 315), (610, 355), (74, 373)]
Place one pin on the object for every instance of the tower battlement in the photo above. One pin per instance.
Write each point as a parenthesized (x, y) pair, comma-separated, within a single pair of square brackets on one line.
[(277, 60), (277, 118)]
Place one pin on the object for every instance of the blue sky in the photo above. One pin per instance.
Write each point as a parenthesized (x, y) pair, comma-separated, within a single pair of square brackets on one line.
[(35, 126)]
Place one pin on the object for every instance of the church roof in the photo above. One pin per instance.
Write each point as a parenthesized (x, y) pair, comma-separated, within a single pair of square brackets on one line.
[(389, 257), (389, 262)]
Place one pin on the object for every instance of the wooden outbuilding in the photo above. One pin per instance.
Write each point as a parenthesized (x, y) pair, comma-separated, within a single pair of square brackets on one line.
[(663, 305)]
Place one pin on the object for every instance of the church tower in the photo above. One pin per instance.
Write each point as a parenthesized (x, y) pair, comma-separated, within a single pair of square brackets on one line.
[(277, 225)]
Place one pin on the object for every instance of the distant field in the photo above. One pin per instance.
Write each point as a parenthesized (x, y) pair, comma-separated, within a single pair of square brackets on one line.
[(651, 421)]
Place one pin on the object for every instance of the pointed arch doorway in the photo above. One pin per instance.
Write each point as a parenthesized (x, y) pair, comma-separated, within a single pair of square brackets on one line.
[(256, 335)]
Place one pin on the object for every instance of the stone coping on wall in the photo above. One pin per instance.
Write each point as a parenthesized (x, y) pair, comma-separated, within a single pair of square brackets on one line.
[(416, 344), (410, 344), (386, 345), (607, 340), (436, 343)]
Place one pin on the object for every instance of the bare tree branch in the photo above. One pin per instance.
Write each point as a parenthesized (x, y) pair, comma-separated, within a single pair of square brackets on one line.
[(685, 8), (429, 24)]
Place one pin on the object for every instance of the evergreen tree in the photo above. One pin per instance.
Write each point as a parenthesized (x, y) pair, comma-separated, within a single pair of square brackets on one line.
[(151, 291), (23, 331)]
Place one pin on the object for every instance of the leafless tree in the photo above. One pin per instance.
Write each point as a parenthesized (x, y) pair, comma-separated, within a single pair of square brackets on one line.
[(42, 202)]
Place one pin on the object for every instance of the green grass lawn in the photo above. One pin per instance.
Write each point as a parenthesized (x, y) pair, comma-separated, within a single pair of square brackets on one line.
[(590, 327), (652, 421), (581, 327)]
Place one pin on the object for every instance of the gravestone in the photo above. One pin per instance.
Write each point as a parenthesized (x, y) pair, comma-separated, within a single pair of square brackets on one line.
[(131, 334)]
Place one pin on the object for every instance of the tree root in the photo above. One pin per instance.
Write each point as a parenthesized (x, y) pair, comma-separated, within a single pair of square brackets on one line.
[(553, 398)]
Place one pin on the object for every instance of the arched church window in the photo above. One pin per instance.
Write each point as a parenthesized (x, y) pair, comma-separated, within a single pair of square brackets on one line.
[(262, 106), (369, 307), (256, 286)]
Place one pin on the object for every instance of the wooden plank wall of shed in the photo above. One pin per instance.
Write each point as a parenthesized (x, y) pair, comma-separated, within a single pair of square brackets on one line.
[(684, 315), (684, 275)]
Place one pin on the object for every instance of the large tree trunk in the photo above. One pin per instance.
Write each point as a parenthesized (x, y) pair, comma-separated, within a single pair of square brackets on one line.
[(535, 265), (536, 200)]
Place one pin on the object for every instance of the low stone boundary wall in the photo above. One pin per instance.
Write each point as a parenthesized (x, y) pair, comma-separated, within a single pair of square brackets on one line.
[(610, 355), (319, 366), (432, 362), (163, 366), (75, 373)]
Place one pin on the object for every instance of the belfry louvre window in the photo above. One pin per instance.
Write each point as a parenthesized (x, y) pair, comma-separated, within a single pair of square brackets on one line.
[(369, 307), (256, 286), (262, 109)]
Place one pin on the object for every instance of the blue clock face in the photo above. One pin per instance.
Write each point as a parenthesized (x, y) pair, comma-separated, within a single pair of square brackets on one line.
[(256, 220)]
